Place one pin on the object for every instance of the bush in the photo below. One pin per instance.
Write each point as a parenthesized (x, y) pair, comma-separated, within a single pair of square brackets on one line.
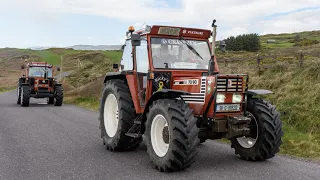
[(306, 42), (245, 42)]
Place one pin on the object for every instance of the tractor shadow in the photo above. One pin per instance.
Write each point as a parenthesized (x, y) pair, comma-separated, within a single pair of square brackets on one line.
[(215, 157)]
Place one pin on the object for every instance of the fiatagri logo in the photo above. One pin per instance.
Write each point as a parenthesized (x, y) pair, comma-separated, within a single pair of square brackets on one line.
[(192, 32)]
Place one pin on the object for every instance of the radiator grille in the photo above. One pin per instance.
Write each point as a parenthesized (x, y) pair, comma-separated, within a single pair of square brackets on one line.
[(231, 84)]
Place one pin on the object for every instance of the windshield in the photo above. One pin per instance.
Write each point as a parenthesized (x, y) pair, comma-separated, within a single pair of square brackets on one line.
[(39, 71), (175, 53)]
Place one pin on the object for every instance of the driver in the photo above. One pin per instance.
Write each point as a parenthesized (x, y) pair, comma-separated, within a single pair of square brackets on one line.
[(165, 57)]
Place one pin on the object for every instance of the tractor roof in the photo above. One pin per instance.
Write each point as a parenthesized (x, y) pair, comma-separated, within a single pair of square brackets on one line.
[(39, 64), (172, 31)]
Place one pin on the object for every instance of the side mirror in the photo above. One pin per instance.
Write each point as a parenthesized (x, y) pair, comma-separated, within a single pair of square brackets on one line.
[(135, 40), (115, 67)]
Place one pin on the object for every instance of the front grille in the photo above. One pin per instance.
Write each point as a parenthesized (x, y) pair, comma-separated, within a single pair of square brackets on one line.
[(230, 84), (197, 97)]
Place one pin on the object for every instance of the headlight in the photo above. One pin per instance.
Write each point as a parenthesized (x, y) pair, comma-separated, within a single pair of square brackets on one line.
[(236, 98), (220, 98)]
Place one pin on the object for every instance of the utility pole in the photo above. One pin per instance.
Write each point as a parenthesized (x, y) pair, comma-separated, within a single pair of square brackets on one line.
[(60, 67)]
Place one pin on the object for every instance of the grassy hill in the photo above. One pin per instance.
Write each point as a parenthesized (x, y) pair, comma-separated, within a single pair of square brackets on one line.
[(297, 88)]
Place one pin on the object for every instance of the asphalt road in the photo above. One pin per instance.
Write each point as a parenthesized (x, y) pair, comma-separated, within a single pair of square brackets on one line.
[(47, 142)]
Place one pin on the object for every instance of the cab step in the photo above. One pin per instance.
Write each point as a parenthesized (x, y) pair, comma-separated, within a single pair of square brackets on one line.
[(135, 130)]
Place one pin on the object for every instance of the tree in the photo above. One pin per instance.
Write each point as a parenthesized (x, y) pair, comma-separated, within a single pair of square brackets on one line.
[(245, 42)]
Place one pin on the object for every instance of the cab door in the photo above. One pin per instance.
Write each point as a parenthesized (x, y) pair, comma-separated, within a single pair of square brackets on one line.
[(142, 66)]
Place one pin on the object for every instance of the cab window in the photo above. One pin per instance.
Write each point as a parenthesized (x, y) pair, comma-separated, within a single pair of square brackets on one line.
[(127, 61), (142, 57)]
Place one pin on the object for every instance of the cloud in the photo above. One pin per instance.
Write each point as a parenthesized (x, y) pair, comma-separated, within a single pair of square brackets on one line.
[(233, 16), (298, 21)]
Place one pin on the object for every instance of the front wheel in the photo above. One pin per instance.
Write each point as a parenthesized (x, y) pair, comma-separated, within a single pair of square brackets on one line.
[(25, 96), (59, 96), (18, 94), (171, 135), (264, 140)]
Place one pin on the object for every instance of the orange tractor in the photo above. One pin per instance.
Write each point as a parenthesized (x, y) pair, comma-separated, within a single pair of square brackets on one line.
[(38, 82), (169, 90)]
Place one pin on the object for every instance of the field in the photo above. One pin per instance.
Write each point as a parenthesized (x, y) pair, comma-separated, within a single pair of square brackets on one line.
[(294, 79)]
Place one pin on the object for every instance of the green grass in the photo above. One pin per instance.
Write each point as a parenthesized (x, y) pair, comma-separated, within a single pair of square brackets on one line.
[(50, 57), (6, 89), (279, 45), (114, 56), (85, 102), (300, 144)]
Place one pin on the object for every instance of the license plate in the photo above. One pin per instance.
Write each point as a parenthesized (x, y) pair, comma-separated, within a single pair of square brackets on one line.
[(228, 107)]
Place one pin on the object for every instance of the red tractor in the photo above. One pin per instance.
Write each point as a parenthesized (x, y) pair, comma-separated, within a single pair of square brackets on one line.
[(38, 82), (169, 89)]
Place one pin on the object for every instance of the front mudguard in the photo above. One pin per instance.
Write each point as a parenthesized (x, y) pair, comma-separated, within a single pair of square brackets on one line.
[(256, 92)]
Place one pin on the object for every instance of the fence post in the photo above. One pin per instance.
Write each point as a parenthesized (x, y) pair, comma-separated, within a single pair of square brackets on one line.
[(301, 59), (258, 64)]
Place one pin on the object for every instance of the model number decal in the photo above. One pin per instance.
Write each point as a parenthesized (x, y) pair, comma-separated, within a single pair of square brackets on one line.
[(186, 82)]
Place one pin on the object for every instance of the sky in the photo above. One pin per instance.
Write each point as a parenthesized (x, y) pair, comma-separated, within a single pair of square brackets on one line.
[(29, 23)]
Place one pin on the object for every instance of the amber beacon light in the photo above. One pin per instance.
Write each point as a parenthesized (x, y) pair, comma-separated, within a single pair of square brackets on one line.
[(131, 29)]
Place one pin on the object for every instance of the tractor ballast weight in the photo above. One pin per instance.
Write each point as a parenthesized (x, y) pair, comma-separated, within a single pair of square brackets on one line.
[(169, 88), (38, 82)]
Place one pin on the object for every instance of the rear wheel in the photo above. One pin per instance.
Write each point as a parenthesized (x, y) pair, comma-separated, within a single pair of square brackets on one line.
[(171, 135), (116, 117), (265, 132), (59, 96), (25, 96)]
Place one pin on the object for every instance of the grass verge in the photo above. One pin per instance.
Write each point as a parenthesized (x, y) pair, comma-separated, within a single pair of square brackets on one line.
[(6, 89), (89, 103)]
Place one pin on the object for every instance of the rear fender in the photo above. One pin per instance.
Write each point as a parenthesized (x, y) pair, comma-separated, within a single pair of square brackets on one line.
[(114, 75), (25, 84), (161, 94)]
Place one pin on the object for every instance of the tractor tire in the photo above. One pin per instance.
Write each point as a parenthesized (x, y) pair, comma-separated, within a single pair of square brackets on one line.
[(202, 140), (117, 114), (25, 96), (59, 96), (50, 100), (266, 132), (171, 135)]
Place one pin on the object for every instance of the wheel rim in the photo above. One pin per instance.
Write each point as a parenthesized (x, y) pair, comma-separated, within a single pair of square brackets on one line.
[(111, 115), (249, 142), (160, 136)]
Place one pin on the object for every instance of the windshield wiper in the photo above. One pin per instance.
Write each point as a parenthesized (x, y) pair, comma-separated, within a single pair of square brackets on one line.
[(190, 47)]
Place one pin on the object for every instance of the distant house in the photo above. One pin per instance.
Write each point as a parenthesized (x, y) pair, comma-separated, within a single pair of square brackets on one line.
[(271, 41)]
